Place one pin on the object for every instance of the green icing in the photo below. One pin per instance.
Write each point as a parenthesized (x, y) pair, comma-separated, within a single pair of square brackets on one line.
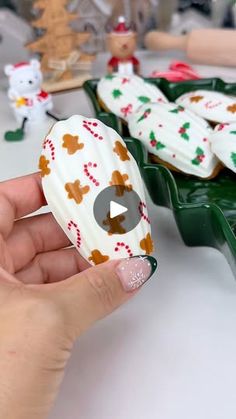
[(116, 93), (144, 99)]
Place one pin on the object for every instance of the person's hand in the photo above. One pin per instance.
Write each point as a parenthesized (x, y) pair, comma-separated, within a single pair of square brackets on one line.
[(49, 295)]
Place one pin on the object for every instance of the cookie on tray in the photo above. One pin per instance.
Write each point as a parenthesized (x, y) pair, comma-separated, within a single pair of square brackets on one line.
[(176, 137), (123, 95), (223, 144), (210, 105)]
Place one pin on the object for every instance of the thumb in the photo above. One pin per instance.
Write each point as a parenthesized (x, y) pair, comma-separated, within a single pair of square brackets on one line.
[(97, 291)]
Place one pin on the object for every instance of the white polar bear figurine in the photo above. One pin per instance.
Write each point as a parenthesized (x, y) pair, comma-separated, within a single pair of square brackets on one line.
[(28, 100)]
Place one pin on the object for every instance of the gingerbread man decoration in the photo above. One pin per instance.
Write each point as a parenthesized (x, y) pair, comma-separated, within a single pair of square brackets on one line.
[(121, 151), (71, 143), (196, 99), (43, 166), (97, 257), (232, 108), (114, 224), (119, 181), (146, 244), (76, 191)]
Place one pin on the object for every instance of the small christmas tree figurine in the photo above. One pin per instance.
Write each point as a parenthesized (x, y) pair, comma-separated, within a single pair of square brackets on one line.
[(59, 46)]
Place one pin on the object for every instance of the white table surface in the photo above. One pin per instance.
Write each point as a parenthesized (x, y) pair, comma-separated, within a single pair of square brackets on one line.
[(170, 353)]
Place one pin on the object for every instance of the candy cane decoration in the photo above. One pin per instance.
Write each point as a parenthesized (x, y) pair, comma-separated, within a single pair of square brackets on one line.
[(210, 105), (140, 208), (87, 173), (88, 126), (122, 245), (51, 146), (71, 225)]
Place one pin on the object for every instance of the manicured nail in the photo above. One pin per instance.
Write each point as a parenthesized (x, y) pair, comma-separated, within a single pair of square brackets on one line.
[(134, 272)]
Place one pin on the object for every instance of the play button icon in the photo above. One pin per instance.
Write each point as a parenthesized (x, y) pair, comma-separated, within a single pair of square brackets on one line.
[(117, 209)]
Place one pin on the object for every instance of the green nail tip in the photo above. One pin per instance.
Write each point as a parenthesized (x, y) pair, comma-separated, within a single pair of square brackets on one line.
[(17, 135), (153, 263), (151, 260)]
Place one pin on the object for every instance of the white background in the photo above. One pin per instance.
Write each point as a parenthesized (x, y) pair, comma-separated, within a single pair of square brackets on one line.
[(170, 353)]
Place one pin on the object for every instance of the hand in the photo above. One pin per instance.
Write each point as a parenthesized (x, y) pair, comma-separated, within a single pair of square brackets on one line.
[(49, 295)]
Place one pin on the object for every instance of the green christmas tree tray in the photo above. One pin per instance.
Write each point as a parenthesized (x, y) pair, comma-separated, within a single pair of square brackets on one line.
[(204, 210)]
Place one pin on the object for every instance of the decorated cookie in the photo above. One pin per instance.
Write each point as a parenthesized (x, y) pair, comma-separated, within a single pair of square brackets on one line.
[(80, 158), (176, 136), (223, 144), (213, 106), (124, 95)]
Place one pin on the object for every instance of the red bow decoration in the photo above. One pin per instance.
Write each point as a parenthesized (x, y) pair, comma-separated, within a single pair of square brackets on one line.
[(126, 110)]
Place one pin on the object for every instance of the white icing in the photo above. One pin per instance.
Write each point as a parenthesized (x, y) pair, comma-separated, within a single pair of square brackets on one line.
[(132, 88), (213, 106), (67, 168), (223, 144), (164, 126)]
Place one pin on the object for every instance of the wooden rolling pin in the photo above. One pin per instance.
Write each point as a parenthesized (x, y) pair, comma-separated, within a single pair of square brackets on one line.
[(204, 46)]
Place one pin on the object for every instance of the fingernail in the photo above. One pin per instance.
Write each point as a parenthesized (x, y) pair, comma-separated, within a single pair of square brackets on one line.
[(134, 272)]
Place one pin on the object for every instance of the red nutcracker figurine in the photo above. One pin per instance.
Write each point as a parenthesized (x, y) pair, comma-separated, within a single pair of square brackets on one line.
[(122, 42)]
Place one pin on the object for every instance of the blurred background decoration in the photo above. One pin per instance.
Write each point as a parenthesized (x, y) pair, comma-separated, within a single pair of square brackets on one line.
[(175, 16)]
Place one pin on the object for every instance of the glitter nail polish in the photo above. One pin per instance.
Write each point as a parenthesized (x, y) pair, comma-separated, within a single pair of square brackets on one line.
[(135, 271)]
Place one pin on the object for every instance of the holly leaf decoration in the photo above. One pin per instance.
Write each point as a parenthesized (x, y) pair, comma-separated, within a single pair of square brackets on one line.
[(116, 93), (144, 115), (196, 162), (185, 136), (186, 125), (154, 143), (199, 151), (152, 135), (178, 109), (159, 145), (233, 132), (144, 99), (199, 156), (233, 158)]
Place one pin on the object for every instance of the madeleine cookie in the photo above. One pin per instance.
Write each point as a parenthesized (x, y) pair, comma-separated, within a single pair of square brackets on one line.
[(212, 106), (223, 144), (124, 95), (81, 157), (176, 136)]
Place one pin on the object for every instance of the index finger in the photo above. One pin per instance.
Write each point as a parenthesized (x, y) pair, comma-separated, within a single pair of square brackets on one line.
[(19, 197)]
